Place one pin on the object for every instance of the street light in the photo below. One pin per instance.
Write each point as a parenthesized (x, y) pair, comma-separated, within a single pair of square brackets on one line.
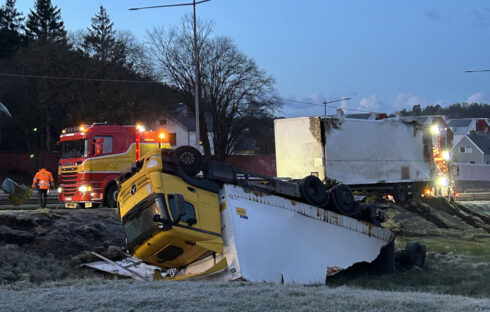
[(333, 101), (196, 57)]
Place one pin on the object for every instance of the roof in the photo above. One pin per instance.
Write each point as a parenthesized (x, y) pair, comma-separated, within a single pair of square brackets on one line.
[(186, 121), (189, 122), (420, 119), (359, 116), (459, 122), (482, 141)]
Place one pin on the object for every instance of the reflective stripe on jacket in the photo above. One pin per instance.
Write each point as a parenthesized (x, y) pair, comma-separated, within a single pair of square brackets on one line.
[(43, 179)]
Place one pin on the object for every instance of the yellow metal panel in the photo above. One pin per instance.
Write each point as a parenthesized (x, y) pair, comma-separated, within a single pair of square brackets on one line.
[(221, 265)]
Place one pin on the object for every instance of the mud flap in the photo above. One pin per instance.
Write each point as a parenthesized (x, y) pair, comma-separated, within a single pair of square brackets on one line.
[(385, 262)]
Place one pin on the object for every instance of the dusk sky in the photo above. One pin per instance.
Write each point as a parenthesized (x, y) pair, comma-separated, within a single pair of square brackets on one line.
[(386, 55)]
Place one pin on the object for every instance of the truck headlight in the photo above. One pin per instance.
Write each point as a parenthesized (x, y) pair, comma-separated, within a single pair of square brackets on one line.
[(446, 155), (60, 189), (442, 181), (84, 188)]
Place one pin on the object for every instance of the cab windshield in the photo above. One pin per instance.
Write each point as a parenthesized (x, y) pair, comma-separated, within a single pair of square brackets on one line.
[(74, 149)]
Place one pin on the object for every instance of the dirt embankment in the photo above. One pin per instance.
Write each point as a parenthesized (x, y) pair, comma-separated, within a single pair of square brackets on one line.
[(438, 216), (48, 244)]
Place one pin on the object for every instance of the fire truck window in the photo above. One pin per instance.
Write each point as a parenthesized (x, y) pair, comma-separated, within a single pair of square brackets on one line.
[(74, 149), (106, 144), (189, 210)]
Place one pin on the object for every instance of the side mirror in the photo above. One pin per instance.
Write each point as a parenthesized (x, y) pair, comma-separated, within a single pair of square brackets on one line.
[(179, 204)]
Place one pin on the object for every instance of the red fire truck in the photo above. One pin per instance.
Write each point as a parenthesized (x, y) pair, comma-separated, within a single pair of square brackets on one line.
[(94, 156)]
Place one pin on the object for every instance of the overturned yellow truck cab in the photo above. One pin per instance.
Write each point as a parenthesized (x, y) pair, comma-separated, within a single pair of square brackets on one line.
[(225, 224), (155, 231)]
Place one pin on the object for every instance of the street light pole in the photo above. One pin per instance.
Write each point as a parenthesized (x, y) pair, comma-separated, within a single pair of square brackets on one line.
[(196, 59), (196, 81), (333, 101)]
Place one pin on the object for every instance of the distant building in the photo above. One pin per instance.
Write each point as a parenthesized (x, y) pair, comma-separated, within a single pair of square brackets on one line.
[(367, 116), (181, 129), (473, 148), (465, 126)]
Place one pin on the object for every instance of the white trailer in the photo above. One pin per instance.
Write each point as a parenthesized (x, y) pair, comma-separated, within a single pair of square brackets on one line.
[(274, 239), (387, 154)]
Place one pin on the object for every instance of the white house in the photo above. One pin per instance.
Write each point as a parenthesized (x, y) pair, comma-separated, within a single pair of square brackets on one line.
[(181, 129)]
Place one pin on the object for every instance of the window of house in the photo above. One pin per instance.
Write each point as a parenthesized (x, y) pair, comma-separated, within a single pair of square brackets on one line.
[(469, 150), (462, 150), (172, 139), (472, 162)]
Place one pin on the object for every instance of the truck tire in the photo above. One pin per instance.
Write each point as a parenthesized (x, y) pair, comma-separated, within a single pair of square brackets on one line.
[(313, 191), (400, 194), (416, 252), (343, 200), (111, 196), (189, 159)]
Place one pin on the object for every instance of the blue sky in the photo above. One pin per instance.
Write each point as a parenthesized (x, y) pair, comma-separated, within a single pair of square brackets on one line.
[(386, 55)]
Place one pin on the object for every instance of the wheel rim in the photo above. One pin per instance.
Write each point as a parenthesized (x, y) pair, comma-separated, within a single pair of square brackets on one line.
[(187, 158)]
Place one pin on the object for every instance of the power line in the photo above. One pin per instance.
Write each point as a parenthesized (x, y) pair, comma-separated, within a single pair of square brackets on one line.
[(169, 5), (477, 71), (76, 78), (336, 107)]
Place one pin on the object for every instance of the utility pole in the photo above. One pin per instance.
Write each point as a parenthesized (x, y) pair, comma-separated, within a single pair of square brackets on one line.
[(333, 101), (196, 81), (196, 60)]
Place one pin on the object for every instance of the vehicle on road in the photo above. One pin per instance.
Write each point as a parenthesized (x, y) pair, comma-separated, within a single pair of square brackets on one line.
[(94, 156)]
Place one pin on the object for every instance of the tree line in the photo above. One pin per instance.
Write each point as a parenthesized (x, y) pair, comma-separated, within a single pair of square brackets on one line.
[(457, 110), (51, 79), (38, 60)]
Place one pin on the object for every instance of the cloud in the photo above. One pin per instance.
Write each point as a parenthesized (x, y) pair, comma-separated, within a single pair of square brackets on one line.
[(481, 17), (476, 98), (370, 103), (407, 100)]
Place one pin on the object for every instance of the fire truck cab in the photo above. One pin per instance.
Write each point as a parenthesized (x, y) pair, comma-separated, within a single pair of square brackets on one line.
[(94, 156)]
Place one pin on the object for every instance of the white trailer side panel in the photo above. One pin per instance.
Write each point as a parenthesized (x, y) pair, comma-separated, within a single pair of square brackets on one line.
[(274, 239), (356, 151), (376, 151), (299, 150)]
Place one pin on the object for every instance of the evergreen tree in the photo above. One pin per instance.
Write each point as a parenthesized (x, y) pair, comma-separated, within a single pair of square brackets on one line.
[(10, 28), (44, 23), (100, 41)]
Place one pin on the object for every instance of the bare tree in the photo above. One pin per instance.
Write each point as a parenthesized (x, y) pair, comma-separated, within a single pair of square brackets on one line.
[(232, 89)]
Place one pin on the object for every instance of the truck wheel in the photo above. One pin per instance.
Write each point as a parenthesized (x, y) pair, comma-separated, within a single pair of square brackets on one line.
[(313, 191), (416, 252), (111, 196), (401, 194), (343, 200), (189, 158)]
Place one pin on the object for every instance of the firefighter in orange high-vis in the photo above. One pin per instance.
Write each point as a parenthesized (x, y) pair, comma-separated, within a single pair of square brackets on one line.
[(43, 180)]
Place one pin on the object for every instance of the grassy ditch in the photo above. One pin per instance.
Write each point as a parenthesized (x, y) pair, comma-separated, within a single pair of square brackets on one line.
[(463, 270), (458, 249)]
